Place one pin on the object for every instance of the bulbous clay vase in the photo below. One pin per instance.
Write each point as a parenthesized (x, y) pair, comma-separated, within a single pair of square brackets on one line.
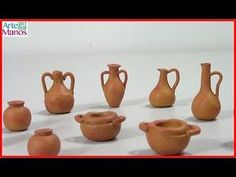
[(100, 126), (114, 89), (163, 95), (16, 117), (206, 104), (168, 137), (58, 99), (44, 142)]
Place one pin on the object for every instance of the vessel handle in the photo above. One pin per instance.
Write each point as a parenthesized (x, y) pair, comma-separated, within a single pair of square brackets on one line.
[(43, 81), (193, 130), (143, 126), (126, 76), (79, 118), (177, 78), (119, 120), (72, 79), (219, 81), (102, 77)]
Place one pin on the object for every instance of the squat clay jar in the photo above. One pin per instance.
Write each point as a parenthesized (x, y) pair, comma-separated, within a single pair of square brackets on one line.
[(44, 142), (17, 117), (168, 137), (100, 126)]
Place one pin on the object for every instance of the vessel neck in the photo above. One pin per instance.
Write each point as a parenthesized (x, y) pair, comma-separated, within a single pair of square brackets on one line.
[(206, 77), (163, 77)]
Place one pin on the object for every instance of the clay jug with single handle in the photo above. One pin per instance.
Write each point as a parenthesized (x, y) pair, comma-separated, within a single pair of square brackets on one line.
[(114, 88), (163, 95), (58, 99), (206, 104)]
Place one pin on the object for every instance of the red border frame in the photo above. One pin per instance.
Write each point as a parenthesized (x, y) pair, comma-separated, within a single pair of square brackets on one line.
[(234, 85), (1, 60), (117, 20)]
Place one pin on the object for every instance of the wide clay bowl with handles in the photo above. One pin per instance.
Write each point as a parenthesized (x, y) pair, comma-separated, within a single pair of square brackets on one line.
[(169, 137), (100, 126)]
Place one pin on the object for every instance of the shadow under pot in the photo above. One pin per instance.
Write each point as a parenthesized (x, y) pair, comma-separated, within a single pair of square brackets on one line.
[(44, 142), (168, 137), (17, 117), (100, 126)]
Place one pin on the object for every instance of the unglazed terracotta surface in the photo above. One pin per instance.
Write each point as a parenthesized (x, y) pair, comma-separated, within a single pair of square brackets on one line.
[(100, 126), (163, 95), (168, 137), (58, 99), (206, 104), (17, 117), (114, 88), (44, 142)]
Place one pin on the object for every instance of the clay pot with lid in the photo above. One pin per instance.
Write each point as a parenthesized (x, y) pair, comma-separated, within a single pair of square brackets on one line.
[(17, 117), (44, 142), (100, 126), (168, 137), (114, 88), (163, 95), (206, 104), (58, 99)]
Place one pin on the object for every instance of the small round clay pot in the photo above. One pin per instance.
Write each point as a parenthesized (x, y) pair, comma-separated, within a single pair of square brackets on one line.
[(168, 137), (44, 142), (16, 117), (100, 126)]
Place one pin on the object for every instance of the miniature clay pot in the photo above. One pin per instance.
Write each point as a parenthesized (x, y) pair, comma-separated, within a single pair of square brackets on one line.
[(206, 104), (16, 117), (163, 95), (44, 142), (100, 126), (114, 89), (58, 99), (168, 137)]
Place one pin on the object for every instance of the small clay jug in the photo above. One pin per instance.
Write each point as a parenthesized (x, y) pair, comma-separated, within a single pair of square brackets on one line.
[(114, 89), (206, 104), (16, 117), (44, 142), (168, 137), (100, 126), (58, 99), (163, 95)]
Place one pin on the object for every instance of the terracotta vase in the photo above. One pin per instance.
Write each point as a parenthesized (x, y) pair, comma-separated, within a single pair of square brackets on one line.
[(100, 126), (58, 99), (44, 142), (16, 117), (163, 95), (206, 104), (114, 89), (168, 137)]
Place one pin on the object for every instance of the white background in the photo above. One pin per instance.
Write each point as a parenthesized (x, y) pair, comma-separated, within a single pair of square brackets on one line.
[(85, 48)]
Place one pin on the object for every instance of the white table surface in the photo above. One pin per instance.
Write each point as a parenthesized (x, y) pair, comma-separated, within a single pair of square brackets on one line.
[(21, 80)]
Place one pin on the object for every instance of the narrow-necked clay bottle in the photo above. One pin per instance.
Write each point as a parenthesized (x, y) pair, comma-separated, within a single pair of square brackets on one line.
[(58, 99), (206, 104), (44, 142), (114, 88), (16, 117), (163, 95)]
